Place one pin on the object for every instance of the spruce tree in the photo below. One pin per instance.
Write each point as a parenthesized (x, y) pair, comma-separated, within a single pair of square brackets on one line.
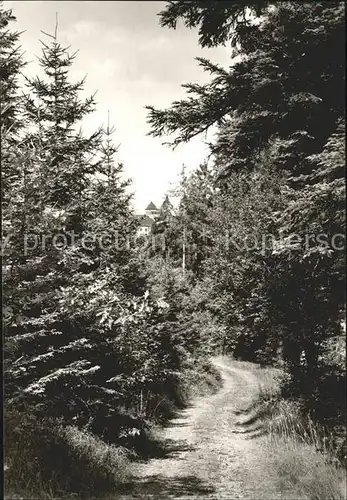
[(84, 343), (11, 64), (55, 111), (110, 200), (56, 172), (263, 96)]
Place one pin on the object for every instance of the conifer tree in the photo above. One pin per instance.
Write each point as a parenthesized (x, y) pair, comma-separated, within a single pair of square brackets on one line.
[(110, 195), (161, 241), (263, 96), (50, 342), (55, 111), (11, 63), (84, 343), (277, 109)]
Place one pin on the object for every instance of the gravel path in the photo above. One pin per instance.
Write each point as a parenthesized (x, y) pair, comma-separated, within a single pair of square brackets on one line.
[(211, 455)]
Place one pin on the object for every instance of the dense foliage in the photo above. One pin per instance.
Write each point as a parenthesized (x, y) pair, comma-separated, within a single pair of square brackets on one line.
[(103, 330), (274, 271), (88, 343)]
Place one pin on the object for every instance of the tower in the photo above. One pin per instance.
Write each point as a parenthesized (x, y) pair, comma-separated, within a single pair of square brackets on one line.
[(152, 211)]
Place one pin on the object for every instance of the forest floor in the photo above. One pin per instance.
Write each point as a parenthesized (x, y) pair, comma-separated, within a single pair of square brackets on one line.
[(210, 453)]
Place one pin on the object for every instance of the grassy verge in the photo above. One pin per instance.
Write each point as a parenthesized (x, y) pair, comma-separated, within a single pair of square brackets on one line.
[(199, 380), (298, 450), (44, 460)]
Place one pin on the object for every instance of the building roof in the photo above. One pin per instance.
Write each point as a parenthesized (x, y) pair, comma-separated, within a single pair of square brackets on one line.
[(145, 221), (151, 206)]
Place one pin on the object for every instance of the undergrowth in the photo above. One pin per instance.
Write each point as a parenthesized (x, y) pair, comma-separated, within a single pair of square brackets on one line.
[(199, 380), (45, 459), (301, 452)]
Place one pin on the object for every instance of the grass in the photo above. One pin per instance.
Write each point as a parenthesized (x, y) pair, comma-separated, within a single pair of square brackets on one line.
[(298, 450), (201, 380), (44, 460), (302, 469)]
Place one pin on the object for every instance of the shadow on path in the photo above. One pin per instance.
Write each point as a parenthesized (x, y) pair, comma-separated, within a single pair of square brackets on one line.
[(167, 448), (163, 487)]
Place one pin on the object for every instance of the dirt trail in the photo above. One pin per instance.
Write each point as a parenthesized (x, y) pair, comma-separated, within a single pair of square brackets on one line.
[(211, 456)]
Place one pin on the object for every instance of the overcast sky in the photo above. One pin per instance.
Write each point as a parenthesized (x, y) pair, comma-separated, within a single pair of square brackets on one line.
[(132, 62)]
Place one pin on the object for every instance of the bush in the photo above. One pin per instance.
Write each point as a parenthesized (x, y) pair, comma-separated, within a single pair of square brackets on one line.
[(198, 380), (43, 459)]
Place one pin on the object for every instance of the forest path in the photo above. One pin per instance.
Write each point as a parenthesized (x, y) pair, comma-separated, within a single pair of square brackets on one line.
[(211, 453)]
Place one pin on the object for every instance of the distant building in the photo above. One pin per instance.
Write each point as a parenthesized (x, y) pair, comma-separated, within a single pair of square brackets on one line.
[(151, 214), (152, 211), (145, 227), (147, 219)]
